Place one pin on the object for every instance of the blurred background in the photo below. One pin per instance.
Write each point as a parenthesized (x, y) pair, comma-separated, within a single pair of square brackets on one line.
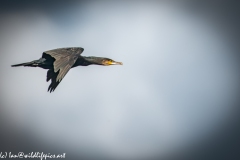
[(175, 97)]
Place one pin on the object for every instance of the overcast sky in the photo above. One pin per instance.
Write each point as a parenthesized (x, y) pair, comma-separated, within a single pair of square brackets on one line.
[(175, 87)]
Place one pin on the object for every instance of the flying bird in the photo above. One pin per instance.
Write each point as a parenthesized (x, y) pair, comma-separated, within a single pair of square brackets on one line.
[(60, 61)]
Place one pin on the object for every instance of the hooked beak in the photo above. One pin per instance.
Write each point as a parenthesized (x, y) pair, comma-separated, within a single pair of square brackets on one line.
[(119, 63)]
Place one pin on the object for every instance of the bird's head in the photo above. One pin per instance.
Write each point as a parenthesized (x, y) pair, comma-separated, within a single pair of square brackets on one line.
[(107, 62), (101, 61)]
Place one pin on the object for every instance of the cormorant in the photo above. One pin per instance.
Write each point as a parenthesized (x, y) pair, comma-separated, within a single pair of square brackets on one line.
[(60, 61)]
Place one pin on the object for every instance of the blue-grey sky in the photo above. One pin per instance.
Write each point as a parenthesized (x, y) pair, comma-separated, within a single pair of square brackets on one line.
[(176, 85)]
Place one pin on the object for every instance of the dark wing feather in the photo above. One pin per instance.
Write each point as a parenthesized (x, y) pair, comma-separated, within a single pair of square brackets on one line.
[(64, 60), (62, 52), (63, 65), (52, 75)]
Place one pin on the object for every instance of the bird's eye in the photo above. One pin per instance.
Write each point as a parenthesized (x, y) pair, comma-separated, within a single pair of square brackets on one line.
[(105, 62)]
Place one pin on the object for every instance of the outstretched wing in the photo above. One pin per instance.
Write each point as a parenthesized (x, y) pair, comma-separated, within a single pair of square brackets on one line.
[(53, 76), (62, 52), (64, 60)]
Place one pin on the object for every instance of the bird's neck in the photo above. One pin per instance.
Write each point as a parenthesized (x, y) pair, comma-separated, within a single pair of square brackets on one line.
[(94, 60)]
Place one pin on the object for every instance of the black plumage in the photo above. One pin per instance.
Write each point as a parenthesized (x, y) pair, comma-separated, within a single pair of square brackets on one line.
[(60, 61)]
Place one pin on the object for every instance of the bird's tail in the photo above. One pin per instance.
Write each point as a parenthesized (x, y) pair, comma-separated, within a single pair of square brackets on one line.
[(29, 64)]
